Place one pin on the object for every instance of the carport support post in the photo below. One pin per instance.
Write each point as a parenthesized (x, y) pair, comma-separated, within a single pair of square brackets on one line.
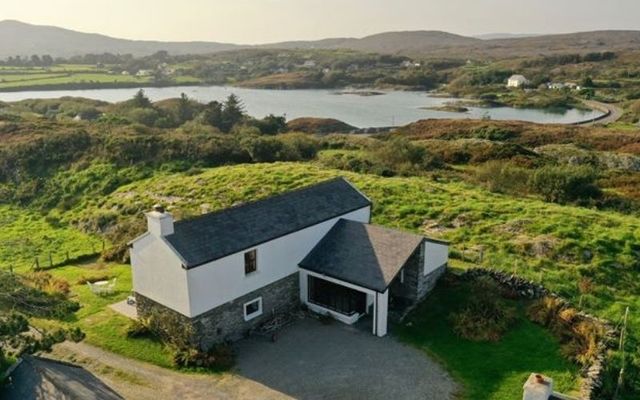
[(381, 304)]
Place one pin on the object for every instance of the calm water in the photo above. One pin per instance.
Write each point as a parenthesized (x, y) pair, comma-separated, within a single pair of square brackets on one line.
[(390, 109)]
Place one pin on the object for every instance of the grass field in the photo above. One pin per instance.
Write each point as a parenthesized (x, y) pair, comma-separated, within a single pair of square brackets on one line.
[(25, 235), (59, 76)]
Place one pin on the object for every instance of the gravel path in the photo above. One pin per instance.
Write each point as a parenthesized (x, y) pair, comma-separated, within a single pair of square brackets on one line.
[(309, 361), (141, 381), (315, 361)]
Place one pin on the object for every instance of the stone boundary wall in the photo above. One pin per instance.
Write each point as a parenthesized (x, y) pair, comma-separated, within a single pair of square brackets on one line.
[(592, 375)]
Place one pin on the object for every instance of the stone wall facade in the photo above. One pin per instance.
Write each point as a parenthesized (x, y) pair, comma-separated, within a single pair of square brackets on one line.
[(415, 285), (225, 322), (593, 374)]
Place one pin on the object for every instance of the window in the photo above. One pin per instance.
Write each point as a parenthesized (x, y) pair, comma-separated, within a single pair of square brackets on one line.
[(253, 309), (250, 262)]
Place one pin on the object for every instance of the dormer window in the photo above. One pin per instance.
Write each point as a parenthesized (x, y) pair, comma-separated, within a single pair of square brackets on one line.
[(250, 262)]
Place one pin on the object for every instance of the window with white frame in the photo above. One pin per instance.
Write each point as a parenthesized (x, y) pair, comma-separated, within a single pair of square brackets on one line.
[(253, 309)]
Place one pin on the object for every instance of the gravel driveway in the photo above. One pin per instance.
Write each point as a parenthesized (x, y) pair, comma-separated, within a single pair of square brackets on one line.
[(309, 361), (315, 361)]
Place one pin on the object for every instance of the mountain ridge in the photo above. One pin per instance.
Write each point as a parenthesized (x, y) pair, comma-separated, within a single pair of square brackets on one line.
[(28, 39)]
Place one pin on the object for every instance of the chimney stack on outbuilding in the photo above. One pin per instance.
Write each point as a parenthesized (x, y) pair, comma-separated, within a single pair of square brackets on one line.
[(159, 222), (538, 387)]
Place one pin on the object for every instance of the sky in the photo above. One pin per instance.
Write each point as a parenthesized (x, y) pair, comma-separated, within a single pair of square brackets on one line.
[(264, 21)]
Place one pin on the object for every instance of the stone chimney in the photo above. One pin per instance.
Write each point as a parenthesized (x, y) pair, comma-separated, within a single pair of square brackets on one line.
[(159, 222), (537, 387)]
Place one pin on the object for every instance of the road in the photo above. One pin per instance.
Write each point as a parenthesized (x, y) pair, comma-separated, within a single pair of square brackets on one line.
[(614, 113)]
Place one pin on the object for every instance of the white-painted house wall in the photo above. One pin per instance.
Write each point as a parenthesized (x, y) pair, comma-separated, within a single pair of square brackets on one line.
[(157, 273), (435, 255), (223, 280)]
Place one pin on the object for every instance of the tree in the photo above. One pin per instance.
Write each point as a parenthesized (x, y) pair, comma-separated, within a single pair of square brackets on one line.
[(140, 100), (587, 82), (212, 114), (271, 124), (35, 60), (47, 60), (232, 113), (185, 109)]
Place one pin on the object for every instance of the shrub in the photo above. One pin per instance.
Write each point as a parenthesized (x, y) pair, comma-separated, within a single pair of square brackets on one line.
[(503, 177), (562, 184), (220, 357), (47, 283), (485, 316), (138, 329)]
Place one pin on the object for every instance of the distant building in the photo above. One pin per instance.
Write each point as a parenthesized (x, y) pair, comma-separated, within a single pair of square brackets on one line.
[(125, 73), (517, 81), (309, 64), (144, 72), (410, 64), (556, 85)]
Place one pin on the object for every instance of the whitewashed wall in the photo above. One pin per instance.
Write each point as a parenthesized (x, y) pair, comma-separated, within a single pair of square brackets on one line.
[(223, 280), (157, 273), (435, 255)]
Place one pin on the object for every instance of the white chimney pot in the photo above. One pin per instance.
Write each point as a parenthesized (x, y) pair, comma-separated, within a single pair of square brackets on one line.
[(537, 387), (159, 223)]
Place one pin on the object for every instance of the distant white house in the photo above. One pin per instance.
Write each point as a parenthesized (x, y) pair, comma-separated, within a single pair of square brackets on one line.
[(226, 272), (517, 81), (144, 72), (309, 64)]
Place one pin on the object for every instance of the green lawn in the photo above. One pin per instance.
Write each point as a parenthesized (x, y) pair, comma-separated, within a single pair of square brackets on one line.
[(104, 327), (487, 370)]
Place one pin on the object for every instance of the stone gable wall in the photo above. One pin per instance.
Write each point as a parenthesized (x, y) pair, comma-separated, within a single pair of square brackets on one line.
[(223, 323)]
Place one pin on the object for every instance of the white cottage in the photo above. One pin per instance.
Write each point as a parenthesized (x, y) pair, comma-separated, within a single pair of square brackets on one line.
[(229, 271), (517, 81)]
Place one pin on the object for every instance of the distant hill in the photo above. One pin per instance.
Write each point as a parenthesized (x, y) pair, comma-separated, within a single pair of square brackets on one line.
[(388, 42), (29, 39), (491, 36)]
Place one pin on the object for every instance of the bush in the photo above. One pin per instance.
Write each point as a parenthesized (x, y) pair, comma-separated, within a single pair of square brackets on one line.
[(47, 283), (485, 316), (138, 329), (503, 177), (220, 357), (562, 184)]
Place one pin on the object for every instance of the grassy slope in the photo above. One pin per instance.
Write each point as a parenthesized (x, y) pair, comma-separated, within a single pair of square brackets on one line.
[(509, 229), (25, 235)]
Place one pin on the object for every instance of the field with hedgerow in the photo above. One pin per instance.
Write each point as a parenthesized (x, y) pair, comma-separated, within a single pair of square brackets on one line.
[(557, 205)]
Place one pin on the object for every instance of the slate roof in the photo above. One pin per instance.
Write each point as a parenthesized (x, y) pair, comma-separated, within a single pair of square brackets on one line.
[(362, 254), (219, 234), (37, 378)]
